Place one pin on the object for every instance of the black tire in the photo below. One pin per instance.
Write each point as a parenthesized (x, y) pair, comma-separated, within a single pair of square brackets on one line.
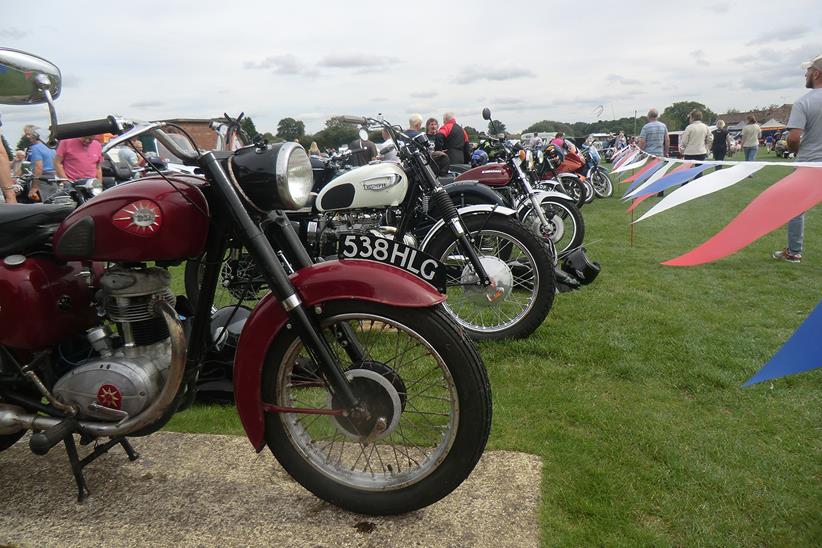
[(574, 187), (601, 182), (448, 410), (7, 440), (590, 194), (502, 239), (566, 228)]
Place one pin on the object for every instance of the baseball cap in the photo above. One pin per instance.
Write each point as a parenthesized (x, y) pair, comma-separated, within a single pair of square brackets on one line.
[(816, 63)]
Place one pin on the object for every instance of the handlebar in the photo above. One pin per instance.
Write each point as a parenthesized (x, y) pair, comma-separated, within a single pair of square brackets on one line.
[(86, 129), (353, 119)]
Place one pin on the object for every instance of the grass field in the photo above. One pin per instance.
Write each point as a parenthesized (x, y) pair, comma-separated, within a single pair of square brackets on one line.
[(630, 391)]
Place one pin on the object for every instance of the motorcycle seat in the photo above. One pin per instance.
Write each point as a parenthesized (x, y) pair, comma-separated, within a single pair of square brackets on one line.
[(24, 227)]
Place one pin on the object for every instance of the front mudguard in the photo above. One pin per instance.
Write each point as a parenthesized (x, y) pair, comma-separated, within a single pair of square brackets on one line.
[(467, 211), (316, 284), (524, 204)]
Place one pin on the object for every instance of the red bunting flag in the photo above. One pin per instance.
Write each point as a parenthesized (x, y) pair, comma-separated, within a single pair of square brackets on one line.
[(782, 201)]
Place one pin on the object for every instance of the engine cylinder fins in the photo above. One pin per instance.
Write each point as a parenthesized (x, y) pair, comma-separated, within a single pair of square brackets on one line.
[(138, 308)]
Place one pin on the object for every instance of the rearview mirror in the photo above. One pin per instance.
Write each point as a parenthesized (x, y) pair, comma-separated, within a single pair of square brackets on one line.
[(486, 113), (24, 78)]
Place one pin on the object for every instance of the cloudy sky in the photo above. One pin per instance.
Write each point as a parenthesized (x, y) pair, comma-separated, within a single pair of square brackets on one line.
[(528, 61)]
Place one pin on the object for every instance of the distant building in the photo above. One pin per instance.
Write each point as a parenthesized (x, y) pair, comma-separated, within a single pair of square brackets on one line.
[(737, 120), (200, 130)]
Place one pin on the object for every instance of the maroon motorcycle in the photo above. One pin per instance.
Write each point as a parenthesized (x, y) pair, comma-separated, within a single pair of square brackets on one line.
[(350, 371)]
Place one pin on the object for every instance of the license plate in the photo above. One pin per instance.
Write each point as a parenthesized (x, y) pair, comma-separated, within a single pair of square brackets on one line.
[(383, 250)]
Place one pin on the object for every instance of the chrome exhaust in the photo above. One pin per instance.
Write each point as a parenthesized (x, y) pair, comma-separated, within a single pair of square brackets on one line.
[(14, 418)]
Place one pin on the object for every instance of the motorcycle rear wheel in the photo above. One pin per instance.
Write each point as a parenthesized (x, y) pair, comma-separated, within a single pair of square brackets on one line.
[(503, 240), (422, 376)]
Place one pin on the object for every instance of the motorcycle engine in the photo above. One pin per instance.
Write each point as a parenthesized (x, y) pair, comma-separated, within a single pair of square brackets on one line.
[(327, 231), (125, 379)]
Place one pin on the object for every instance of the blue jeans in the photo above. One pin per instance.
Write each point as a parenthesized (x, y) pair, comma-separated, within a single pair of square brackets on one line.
[(750, 153), (796, 233)]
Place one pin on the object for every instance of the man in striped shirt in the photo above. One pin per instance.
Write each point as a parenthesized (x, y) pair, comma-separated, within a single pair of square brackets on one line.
[(654, 138)]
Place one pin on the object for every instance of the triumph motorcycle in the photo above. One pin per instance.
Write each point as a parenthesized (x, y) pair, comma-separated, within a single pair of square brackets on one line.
[(350, 371), (496, 273)]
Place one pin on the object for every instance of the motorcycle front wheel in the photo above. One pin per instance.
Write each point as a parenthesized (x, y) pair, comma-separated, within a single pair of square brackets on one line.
[(518, 262), (574, 187), (601, 182), (428, 398), (566, 228)]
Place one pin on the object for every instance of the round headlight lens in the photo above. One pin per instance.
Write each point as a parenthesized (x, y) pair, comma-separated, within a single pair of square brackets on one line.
[(294, 176)]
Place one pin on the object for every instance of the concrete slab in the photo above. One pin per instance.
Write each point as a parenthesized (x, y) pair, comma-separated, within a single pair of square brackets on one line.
[(203, 490)]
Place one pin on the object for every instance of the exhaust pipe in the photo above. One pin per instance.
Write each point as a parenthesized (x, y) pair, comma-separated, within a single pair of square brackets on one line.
[(14, 418)]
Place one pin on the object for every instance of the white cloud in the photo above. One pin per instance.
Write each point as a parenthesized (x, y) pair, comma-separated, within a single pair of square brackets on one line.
[(292, 63)]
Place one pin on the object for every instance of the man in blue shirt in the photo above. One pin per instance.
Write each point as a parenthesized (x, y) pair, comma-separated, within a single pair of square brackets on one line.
[(654, 138), (42, 163)]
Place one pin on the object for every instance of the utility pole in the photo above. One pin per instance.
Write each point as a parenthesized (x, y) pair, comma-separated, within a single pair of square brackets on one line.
[(634, 123)]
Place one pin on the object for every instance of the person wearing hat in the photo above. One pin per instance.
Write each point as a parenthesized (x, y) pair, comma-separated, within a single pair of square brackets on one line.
[(5, 174), (805, 140)]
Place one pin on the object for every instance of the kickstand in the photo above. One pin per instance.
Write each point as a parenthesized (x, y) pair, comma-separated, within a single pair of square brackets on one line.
[(78, 464), (76, 468)]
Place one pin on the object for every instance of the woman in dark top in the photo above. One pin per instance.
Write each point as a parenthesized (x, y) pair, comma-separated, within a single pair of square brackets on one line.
[(720, 145)]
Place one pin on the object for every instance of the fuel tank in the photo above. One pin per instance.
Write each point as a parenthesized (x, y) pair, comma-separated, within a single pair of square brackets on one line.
[(144, 220), (371, 186), (495, 174), (42, 301)]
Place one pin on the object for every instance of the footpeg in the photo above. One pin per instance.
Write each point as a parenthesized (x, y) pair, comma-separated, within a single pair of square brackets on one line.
[(41, 442)]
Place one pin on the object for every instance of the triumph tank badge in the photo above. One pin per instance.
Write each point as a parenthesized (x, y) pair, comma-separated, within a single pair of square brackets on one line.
[(141, 217), (381, 183), (109, 396)]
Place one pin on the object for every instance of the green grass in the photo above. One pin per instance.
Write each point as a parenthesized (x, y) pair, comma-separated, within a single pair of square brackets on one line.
[(630, 391)]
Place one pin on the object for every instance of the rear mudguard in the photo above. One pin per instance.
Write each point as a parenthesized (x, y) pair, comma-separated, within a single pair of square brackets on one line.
[(480, 191), (466, 212), (316, 284)]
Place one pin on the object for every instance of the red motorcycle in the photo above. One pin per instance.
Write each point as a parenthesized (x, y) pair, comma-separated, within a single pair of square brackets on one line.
[(350, 371)]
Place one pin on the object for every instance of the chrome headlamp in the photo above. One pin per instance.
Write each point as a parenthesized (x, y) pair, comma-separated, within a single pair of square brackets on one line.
[(284, 165)]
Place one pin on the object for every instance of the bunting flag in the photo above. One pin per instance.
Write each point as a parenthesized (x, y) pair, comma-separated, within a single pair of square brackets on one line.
[(641, 172), (633, 165), (784, 200), (713, 182), (673, 179), (638, 201), (802, 352), (619, 156), (626, 157), (659, 174)]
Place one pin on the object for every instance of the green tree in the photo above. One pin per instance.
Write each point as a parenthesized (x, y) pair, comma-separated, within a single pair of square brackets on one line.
[(7, 146), (676, 115), (473, 134), (495, 127), (335, 134), (248, 126), (290, 129)]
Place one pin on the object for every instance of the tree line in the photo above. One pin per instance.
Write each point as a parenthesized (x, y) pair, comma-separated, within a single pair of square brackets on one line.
[(336, 133), (674, 116)]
